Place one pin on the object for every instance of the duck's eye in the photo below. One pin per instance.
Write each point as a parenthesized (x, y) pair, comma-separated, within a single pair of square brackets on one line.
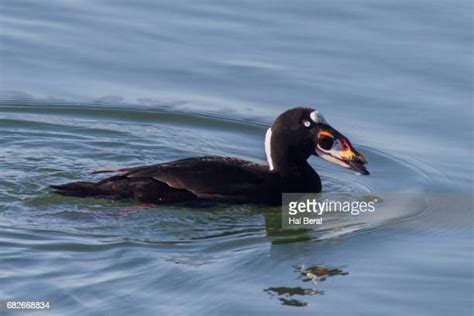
[(306, 123), (326, 142)]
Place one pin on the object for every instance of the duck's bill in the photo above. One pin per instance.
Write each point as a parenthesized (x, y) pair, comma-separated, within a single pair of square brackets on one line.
[(336, 148), (358, 167)]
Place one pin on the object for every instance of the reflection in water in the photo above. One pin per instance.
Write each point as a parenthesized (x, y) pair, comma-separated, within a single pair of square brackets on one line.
[(274, 229), (392, 74), (161, 248), (314, 274), (317, 273), (71, 141)]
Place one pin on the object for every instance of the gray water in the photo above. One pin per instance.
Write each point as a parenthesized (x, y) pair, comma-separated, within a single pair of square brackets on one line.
[(94, 84)]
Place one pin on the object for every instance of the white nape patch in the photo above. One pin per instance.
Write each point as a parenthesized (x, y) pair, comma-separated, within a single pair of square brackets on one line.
[(268, 148), (317, 117)]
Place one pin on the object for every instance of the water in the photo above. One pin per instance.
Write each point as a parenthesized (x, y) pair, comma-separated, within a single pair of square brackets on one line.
[(93, 84)]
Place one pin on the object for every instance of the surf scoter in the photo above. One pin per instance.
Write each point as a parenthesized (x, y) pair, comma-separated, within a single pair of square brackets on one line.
[(293, 137)]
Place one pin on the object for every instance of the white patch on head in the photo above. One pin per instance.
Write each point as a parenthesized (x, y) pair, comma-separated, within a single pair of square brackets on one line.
[(317, 117), (268, 148)]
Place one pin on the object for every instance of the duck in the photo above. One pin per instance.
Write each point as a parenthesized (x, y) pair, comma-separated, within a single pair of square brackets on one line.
[(295, 136)]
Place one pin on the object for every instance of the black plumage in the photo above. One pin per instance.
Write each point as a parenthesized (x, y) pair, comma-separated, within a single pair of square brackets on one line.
[(293, 137)]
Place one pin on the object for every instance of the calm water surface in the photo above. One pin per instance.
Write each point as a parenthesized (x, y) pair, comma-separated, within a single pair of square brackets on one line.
[(93, 84)]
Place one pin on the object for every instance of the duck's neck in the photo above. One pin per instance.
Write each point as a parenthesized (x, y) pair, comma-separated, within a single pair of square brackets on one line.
[(291, 165), (282, 157)]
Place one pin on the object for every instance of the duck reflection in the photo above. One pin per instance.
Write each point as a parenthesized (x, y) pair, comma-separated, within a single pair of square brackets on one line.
[(313, 274)]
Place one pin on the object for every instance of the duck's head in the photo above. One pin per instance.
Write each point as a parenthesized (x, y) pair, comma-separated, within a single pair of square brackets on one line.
[(301, 132)]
